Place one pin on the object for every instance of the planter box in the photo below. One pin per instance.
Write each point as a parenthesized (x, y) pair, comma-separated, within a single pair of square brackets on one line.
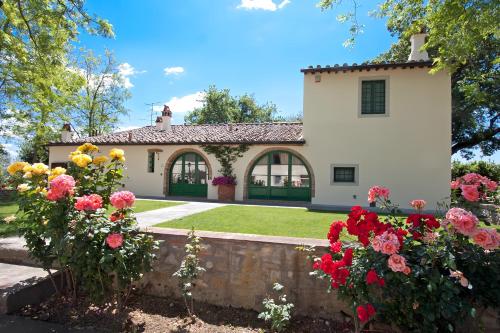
[(226, 192)]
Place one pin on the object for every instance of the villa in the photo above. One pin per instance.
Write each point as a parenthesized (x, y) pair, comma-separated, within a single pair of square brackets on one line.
[(383, 124)]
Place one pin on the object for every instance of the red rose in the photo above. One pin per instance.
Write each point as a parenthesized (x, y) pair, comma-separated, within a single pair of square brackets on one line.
[(370, 309), (336, 247), (362, 313), (347, 259), (371, 277)]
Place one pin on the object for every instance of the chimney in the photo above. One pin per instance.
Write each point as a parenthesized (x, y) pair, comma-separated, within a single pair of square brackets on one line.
[(66, 135), (417, 53), (166, 119), (158, 123)]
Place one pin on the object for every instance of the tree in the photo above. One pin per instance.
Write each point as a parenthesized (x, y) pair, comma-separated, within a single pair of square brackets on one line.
[(101, 99), (219, 107), (36, 83), (462, 39), (4, 162)]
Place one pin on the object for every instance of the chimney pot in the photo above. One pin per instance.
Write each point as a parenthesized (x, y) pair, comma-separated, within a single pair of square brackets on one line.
[(166, 119), (130, 136), (66, 134), (417, 53)]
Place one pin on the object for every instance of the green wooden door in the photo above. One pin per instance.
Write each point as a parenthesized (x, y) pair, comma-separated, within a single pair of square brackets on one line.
[(279, 175), (188, 176)]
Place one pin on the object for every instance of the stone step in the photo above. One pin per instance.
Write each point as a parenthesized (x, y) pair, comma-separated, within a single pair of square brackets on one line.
[(23, 285), (13, 251)]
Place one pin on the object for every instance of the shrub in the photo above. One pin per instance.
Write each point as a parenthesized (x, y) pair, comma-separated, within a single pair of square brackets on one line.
[(278, 312), (487, 169), (190, 270), (422, 273), (64, 222)]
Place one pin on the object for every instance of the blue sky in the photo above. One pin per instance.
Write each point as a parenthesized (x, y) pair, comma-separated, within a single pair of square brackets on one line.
[(228, 43)]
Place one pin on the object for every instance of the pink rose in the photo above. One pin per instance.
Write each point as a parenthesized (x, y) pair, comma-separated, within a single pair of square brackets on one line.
[(61, 186), (470, 192), (491, 185), (463, 221), (89, 202), (455, 184), (378, 192), (114, 240), (418, 204), (376, 243), (488, 239), (396, 263), (389, 248), (472, 178), (122, 199)]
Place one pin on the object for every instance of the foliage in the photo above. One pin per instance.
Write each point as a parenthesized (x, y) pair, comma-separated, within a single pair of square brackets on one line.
[(487, 169), (278, 313), (226, 155), (4, 161), (223, 180), (101, 99), (219, 107), (423, 275), (36, 83), (190, 270), (463, 39), (64, 222)]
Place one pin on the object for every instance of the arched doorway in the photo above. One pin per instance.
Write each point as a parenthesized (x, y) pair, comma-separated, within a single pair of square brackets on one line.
[(188, 176), (279, 175)]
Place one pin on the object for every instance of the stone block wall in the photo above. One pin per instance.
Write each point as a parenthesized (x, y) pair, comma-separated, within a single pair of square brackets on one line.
[(241, 270)]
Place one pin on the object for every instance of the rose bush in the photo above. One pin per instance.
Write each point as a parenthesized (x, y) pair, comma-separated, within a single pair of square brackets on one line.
[(421, 273), (65, 222)]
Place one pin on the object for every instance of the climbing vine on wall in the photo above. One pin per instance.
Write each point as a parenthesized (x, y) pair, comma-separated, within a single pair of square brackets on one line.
[(226, 155)]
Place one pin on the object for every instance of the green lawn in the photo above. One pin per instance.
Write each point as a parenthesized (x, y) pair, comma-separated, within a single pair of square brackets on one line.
[(7, 209), (291, 222), (10, 208)]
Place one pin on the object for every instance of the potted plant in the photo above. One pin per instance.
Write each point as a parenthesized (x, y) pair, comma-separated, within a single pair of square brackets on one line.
[(226, 187), (226, 155)]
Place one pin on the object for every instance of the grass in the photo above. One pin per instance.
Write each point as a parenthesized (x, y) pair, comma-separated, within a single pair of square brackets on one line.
[(10, 208), (7, 209), (290, 222)]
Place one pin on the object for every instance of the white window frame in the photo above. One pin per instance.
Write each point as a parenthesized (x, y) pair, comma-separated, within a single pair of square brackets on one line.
[(338, 165)]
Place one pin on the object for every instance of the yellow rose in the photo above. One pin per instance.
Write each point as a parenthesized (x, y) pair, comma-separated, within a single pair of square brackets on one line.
[(74, 153), (88, 148), (9, 219), (82, 160), (39, 169), (16, 167), (117, 154), (22, 188), (98, 160), (27, 168), (28, 175), (56, 172)]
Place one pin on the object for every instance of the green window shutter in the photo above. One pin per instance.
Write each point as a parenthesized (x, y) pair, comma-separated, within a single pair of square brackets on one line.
[(151, 162), (373, 97)]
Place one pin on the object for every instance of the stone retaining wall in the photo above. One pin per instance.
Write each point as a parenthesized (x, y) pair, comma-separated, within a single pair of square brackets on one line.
[(241, 269)]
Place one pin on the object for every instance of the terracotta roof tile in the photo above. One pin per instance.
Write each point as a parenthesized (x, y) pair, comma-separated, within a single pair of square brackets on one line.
[(365, 66), (201, 134)]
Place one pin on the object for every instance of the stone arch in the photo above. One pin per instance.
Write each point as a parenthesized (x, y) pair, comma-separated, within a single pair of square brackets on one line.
[(289, 150), (173, 157)]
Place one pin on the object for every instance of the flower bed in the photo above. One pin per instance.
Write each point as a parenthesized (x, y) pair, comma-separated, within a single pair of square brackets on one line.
[(426, 274)]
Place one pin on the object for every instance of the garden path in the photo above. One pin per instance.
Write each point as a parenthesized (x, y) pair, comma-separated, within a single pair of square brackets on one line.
[(152, 217)]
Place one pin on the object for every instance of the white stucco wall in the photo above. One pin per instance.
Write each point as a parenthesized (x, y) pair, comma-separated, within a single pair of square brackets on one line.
[(407, 151), (142, 183)]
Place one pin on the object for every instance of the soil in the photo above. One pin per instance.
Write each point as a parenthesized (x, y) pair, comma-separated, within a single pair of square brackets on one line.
[(154, 315)]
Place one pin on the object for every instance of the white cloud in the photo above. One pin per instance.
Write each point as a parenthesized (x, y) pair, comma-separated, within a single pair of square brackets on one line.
[(262, 4), (126, 71), (173, 70), (184, 103)]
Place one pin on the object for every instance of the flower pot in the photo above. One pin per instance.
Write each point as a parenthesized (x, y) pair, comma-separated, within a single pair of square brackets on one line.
[(226, 192)]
